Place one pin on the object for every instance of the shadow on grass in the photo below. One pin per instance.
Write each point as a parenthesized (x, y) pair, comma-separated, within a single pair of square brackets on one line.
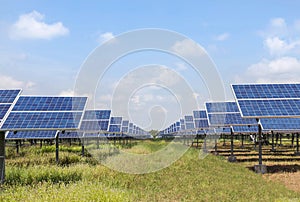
[(280, 168)]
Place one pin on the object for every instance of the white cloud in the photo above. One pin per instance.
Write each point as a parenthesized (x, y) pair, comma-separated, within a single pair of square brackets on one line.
[(32, 26), (181, 66), (277, 46), (278, 22), (68, 92), (284, 69), (7, 82), (222, 37), (188, 47), (107, 36)]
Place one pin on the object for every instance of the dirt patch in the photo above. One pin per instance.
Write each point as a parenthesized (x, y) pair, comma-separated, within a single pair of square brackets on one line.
[(291, 180)]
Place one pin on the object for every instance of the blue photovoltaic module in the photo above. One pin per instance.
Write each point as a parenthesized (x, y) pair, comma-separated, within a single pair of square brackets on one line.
[(226, 114), (45, 113), (268, 100), (40, 134)]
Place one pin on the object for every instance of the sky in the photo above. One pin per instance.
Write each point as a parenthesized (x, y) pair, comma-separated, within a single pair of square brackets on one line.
[(45, 44)]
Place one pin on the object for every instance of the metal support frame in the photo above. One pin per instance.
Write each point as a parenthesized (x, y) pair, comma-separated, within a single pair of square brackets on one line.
[(297, 153), (82, 146), (17, 146), (57, 148), (242, 137), (205, 144), (231, 158), (260, 168), (2, 157), (273, 148)]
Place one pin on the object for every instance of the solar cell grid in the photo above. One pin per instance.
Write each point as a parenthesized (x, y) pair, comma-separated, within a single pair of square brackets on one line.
[(38, 120), (280, 124), (115, 128), (44, 134), (116, 120), (95, 125), (188, 118), (245, 129), (266, 91), (70, 134), (221, 107), (3, 109), (34, 103), (96, 114), (229, 120), (201, 124), (8, 96), (125, 123), (270, 108)]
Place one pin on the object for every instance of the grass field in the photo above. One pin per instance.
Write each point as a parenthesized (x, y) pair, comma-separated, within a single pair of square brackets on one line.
[(33, 175)]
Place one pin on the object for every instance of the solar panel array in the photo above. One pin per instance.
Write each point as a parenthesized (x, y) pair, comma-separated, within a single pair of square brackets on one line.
[(226, 114), (95, 120), (189, 122), (200, 119), (71, 135), (125, 126), (245, 129), (7, 99), (115, 124), (40, 134), (268, 100), (42, 113), (280, 124)]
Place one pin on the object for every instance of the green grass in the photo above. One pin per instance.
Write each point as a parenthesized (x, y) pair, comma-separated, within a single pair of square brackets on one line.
[(33, 176)]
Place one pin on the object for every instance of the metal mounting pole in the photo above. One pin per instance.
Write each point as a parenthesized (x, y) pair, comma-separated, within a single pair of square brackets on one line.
[(297, 153), (231, 158), (273, 149), (57, 148), (2, 157), (260, 168)]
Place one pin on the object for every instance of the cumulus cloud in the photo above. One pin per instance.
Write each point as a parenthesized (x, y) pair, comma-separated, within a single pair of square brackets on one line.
[(222, 37), (107, 36), (283, 64), (7, 82), (284, 69), (277, 46), (32, 26), (187, 47)]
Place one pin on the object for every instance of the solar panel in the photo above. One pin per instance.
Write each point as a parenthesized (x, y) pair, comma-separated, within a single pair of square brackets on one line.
[(97, 115), (115, 124), (200, 119), (268, 100), (270, 108), (189, 122), (95, 120), (37, 103), (182, 124), (91, 135), (115, 128), (42, 120), (280, 124), (7, 99), (266, 91), (94, 125), (226, 114), (245, 129), (9, 96), (70, 135), (21, 135), (41, 113), (223, 130)]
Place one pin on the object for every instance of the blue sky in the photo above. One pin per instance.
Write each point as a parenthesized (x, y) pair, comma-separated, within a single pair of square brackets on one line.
[(44, 43)]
